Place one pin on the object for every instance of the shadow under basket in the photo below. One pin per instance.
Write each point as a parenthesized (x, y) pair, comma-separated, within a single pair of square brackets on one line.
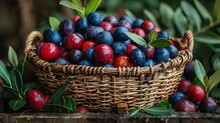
[(103, 89)]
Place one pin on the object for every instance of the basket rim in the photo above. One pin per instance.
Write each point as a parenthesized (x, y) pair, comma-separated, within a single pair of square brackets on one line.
[(184, 55)]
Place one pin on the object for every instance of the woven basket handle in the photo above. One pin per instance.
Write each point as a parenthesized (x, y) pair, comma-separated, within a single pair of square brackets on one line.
[(187, 41), (30, 39)]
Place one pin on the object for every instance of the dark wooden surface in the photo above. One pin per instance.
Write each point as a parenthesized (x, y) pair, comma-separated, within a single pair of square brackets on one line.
[(109, 118)]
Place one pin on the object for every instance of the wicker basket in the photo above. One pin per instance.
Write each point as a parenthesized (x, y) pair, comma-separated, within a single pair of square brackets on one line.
[(102, 89)]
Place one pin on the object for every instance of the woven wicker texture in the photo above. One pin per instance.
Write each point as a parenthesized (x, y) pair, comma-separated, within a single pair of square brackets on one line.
[(101, 89)]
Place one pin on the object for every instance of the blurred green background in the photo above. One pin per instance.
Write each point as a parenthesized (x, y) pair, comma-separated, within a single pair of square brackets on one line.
[(19, 17)]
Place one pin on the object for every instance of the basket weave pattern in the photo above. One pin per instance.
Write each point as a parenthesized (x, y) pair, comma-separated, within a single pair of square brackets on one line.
[(101, 89)]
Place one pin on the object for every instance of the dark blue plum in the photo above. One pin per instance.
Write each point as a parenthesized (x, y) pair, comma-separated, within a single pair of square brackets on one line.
[(127, 42), (148, 62), (161, 55), (189, 70), (108, 66), (82, 25), (46, 33), (95, 18), (137, 57), (89, 54), (146, 38), (104, 38), (92, 31), (176, 96), (112, 20), (173, 51), (55, 37), (62, 61), (38, 47), (74, 56), (66, 27), (119, 48), (119, 34), (127, 18), (137, 23), (125, 24), (163, 34), (85, 63)]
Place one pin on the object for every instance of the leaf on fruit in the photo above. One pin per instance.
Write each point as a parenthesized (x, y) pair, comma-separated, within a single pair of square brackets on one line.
[(163, 103), (91, 6), (77, 3), (202, 10), (136, 38), (151, 17), (135, 111), (70, 103), (5, 75), (200, 71), (129, 13), (54, 23), (159, 111), (16, 104), (153, 36), (213, 80), (191, 14), (59, 91), (12, 57), (160, 43), (166, 13)]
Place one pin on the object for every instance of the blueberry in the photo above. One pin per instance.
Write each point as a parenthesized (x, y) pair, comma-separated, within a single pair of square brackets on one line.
[(74, 56), (66, 27), (85, 63), (89, 54), (92, 31), (95, 18), (127, 42), (137, 57), (161, 55), (119, 34), (112, 20), (46, 33), (55, 37), (163, 34), (119, 48), (137, 23), (148, 62), (62, 61), (82, 25), (127, 18), (104, 38), (125, 24), (146, 38), (108, 66), (175, 97), (173, 51)]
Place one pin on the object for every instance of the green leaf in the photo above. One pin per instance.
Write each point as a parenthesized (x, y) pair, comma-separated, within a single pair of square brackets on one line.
[(21, 66), (91, 6), (136, 38), (151, 17), (159, 111), (207, 39), (215, 92), (54, 23), (213, 80), (12, 57), (5, 75), (135, 111), (77, 3), (16, 80), (59, 91), (216, 61), (196, 81), (163, 103), (153, 36), (160, 43), (180, 21), (200, 71), (166, 13), (71, 104), (129, 13), (191, 13), (203, 11), (217, 9), (206, 80), (29, 86), (16, 104)]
